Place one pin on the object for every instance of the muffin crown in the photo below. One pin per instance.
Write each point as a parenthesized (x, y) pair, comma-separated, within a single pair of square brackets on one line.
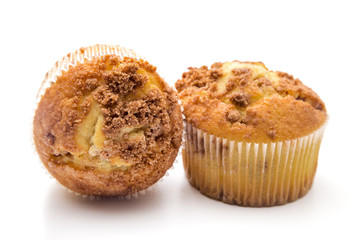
[(244, 101), (106, 123), (106, 108)]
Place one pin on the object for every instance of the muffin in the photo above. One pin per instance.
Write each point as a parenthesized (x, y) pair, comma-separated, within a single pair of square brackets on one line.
[(252, 135), (106, 123)]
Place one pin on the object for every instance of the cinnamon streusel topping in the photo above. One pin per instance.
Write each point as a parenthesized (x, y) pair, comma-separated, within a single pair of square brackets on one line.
[(244, 101), (114, 116)]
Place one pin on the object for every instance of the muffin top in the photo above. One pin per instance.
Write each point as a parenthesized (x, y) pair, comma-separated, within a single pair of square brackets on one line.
[(244, 101), (109, 113)]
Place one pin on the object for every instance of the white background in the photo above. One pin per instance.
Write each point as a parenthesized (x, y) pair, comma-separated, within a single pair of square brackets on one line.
[(316, 41)]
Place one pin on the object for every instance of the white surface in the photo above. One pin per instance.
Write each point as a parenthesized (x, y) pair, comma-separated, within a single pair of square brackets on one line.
[(315, 41)]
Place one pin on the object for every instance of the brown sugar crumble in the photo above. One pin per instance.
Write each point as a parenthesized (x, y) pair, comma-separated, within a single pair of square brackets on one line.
[(233, 116), (198, 77), (272, 133), (240, 99), (112, 115), (233, 93)]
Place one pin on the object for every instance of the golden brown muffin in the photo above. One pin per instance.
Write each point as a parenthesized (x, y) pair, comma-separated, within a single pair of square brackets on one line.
[(252, 134), (109, 126), (246, 102)]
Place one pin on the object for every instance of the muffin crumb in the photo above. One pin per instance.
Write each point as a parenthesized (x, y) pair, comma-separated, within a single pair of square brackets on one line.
[(272, 133), (240, 71), (233, 116), (241, 99), (91, 84)]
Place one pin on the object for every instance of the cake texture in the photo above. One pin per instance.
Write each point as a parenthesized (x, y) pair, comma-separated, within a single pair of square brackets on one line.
[(106, 123), (252, 135)]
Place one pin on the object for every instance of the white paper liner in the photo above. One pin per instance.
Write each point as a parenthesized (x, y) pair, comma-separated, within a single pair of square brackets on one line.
[(79, 56), (62, 65), (250, 174)]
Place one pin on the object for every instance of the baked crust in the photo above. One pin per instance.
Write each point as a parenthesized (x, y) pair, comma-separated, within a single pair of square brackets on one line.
[(244, 101), (108, 127)]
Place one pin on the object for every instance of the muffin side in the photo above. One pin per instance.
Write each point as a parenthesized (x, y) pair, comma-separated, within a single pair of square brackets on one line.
[(252, 135)]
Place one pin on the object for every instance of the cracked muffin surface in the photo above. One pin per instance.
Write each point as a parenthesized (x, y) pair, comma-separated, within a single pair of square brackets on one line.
[(110, 126), (244, 101)]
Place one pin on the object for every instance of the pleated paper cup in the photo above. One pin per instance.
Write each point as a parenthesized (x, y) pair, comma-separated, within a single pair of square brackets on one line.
[(80, 56), (250, 174)]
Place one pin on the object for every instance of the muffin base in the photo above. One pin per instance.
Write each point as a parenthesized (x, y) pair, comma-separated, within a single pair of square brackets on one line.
[(90, 182), (250, 174)]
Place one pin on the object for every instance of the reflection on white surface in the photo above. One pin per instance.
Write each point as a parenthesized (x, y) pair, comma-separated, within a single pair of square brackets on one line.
[(70, 216), (175, 206)]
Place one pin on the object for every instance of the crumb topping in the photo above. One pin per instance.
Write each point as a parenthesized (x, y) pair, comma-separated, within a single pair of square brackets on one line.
[(109, 112), (249, 102), (233, 116), (241, 99)]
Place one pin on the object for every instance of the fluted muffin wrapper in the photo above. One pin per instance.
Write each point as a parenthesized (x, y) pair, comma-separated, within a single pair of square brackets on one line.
[(250, 174), (79, 56), (63, 65)]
